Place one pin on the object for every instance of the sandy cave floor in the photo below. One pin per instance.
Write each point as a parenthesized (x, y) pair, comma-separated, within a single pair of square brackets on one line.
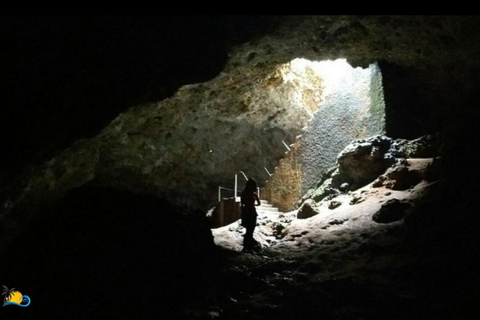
[(338, 264)]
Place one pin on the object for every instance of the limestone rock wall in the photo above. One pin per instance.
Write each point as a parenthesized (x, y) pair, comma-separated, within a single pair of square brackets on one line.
[(284, 188), (397, 164), (354, 110), (352, 107)]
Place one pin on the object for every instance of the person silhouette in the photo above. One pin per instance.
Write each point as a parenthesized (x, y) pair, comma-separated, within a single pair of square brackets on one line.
[(249, 199)]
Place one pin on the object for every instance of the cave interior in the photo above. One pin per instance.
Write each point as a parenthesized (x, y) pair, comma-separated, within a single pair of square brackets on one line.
[(108, 247)]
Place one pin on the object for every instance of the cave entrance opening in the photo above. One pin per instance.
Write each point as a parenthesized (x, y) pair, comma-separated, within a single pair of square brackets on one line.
[(343, 104), (320, 106)]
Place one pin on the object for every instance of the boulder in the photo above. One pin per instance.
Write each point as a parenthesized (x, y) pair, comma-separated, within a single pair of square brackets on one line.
[(307, 210), (363, 161), (393, 210)]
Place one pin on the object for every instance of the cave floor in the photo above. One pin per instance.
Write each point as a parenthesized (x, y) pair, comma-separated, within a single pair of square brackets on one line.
[(92, 258), (340, 264)]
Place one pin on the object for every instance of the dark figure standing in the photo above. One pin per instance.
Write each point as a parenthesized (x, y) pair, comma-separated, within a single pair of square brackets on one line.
[(249, 199)]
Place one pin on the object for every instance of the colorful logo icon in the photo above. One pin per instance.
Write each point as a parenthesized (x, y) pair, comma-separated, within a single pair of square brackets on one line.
[(14, 297)]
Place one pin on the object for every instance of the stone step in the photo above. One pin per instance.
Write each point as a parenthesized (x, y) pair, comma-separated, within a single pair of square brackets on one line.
[(265, 203), (267, 209)]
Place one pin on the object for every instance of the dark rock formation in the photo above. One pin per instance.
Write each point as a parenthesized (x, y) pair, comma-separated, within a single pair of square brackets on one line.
[(344, 187), (400, 178), (380, 159), (391, 211), (113, 251), (363, 161), (334, 204), (306, 210)]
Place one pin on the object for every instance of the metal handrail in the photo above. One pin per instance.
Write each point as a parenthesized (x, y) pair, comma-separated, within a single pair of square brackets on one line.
[(220, 192), (312, 115), (268, 172), (244, 175), (220, 188)]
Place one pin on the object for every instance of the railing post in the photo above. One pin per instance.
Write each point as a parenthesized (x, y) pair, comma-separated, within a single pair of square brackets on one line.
[(219, 194), (235, 190), (269, 174), (244, 175)]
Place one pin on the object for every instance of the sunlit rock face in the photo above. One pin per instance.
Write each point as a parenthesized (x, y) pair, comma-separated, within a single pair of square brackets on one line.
[(396, 164), (184, 147), (351, 107)]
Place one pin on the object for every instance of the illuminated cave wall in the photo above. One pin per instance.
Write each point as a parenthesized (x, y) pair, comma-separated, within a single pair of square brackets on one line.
[(284, 188), (351, 107)]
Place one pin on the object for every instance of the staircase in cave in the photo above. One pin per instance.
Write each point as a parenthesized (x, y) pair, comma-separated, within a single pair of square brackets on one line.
[(266, 209), (268, 220)]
